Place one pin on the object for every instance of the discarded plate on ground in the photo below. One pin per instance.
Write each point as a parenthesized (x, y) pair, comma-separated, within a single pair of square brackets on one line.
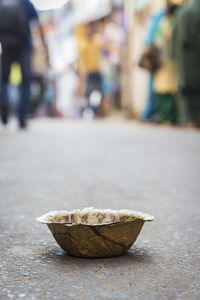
[(90, 232)]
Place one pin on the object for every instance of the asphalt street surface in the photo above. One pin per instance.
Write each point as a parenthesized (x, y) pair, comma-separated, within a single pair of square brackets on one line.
[(60, 165)]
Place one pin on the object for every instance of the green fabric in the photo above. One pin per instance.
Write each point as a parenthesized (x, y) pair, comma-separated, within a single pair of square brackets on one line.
[(166, 111), (186, 46)]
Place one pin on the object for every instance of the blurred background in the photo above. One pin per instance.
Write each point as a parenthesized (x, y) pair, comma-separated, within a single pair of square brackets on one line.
[(110, 57), (64, 64)]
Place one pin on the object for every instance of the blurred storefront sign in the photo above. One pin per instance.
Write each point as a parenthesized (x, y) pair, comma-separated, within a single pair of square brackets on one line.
[(91, 10)]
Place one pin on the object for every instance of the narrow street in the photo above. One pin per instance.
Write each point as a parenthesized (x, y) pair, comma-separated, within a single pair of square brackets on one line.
[(62, 165)]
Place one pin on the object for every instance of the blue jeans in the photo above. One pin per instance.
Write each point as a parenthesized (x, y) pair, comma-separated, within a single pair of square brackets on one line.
[(94, 82), (23, 57), (150, 107)]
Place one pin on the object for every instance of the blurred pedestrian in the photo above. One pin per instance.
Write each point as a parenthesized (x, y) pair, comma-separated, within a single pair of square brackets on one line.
[(165, 78), (150, 107), (15, 38), (186, 51), (114, 38), (90, 57)]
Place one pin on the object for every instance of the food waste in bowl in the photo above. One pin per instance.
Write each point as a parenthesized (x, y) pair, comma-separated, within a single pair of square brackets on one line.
[(90, 232)]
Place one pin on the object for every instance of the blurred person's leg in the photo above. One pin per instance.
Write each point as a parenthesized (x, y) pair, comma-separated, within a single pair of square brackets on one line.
[(187, 99), (91, 85), (106, 102), (197, 110), (98, 86), (150, 106), (88, 88), (7, 59), (182, 114), (194, 106), (117, 88), (165, 108), (169, 108), (159, 109), (25, 63)]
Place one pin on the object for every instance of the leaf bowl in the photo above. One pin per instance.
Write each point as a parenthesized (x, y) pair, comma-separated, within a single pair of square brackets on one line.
[(90, 232)]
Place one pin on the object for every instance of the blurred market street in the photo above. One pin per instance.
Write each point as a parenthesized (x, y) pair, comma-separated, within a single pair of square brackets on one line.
[(62, 165)]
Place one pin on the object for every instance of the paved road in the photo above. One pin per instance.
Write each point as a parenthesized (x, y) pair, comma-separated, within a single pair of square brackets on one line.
[(60, 165)]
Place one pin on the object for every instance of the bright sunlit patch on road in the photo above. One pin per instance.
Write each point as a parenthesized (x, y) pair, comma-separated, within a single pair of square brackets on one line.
[(46, 4)]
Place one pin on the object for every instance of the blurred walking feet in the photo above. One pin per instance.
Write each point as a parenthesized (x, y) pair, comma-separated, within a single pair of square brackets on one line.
[(4, 112)]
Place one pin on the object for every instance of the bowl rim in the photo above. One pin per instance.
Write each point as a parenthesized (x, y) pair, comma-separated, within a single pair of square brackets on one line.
[(44, 219)]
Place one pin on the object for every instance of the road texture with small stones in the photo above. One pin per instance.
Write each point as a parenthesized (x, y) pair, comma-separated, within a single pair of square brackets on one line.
[(62, 165)]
